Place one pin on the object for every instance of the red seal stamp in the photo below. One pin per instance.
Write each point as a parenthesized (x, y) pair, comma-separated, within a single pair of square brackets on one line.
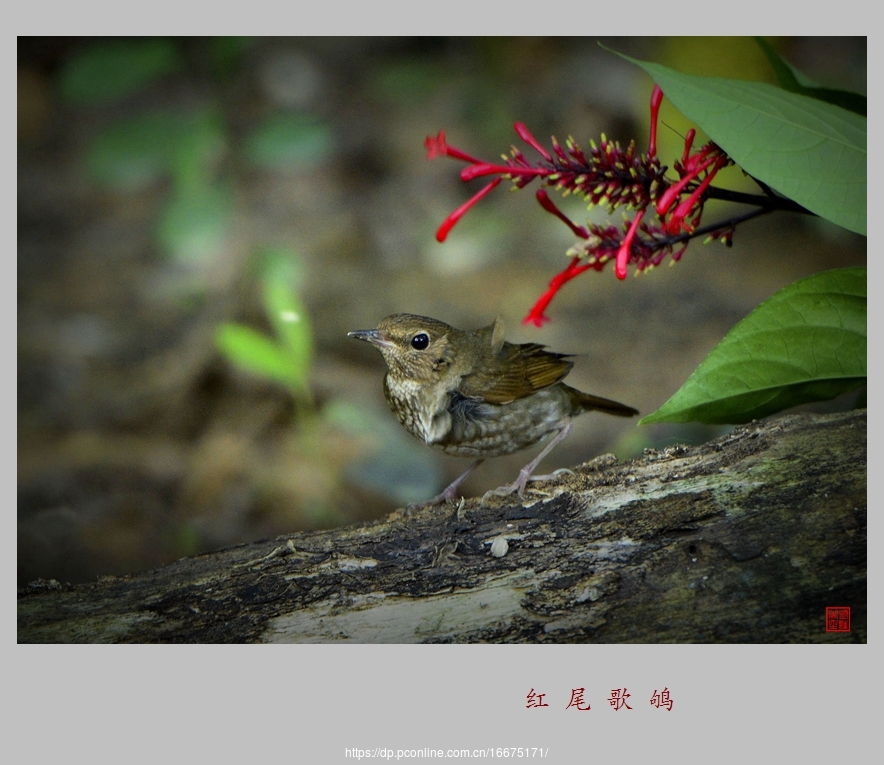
[(837, 618)]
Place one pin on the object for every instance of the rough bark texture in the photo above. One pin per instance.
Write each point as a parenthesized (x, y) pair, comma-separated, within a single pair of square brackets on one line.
[(745, 539)]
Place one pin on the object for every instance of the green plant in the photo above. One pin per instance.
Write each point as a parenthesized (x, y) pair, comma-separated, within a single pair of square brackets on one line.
[(382, 458), (286, 357), (806, 343), (805, 148)]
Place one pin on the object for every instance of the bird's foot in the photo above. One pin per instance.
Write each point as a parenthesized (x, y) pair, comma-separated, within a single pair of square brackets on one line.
[(517, 486), (522, 481), (448, 495), (552, 476)]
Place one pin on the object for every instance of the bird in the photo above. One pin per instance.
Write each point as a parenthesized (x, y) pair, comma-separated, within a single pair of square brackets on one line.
[(471, 393)]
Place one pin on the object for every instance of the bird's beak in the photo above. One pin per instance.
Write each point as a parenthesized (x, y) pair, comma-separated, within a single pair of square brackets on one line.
[(373, 336)]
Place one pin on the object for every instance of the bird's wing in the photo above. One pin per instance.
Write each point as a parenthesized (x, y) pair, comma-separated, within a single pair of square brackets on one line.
[(513, 372)]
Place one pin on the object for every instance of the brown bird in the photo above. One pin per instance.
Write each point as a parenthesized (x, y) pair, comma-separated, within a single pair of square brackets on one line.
[(472, 394)]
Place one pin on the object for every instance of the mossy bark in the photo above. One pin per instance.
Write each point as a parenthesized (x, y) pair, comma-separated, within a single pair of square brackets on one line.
[(745, 539)]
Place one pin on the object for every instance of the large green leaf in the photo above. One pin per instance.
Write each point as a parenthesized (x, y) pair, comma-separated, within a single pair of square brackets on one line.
[(808, 150), (793, 80), (806, 343)]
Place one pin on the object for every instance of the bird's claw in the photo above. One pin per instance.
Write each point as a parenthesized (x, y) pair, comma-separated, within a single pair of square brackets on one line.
[(518, 487), (521, 482)]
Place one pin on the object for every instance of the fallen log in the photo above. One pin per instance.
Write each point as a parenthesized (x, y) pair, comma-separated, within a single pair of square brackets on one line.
[(748, 538)]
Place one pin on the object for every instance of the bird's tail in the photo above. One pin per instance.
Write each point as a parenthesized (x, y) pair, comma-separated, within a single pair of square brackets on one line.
[(585, 402)]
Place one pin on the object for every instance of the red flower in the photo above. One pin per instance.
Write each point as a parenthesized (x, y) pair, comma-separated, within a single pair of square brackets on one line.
[(609, 176)]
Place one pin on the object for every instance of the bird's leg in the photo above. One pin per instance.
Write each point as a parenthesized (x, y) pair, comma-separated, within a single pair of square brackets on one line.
[(450, 492), (525, 474)]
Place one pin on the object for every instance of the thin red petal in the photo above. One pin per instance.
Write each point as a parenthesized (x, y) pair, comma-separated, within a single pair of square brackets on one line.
[(484, 168), (454, 217), (437, 147), (526, 136), (547, 204), (688, 143), (535, 315), (669, 196), (656, 100), (623, 252), (677, 221)]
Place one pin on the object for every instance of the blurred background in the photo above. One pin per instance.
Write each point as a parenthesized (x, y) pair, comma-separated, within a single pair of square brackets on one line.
[(202, 221)]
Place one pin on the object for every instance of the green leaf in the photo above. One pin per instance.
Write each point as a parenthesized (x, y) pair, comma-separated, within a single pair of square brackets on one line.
[(287, 313), (806, 343), (254, 352), (226, 53), (289, 141), (134, 152), (409, 82), (197, 148), (139, 150), (286, 360), (110, 70), (810, 151), (195, 223), (794, 81)]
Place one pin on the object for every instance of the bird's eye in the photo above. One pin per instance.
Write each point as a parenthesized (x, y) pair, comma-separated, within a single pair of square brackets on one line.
[(420, 341)]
